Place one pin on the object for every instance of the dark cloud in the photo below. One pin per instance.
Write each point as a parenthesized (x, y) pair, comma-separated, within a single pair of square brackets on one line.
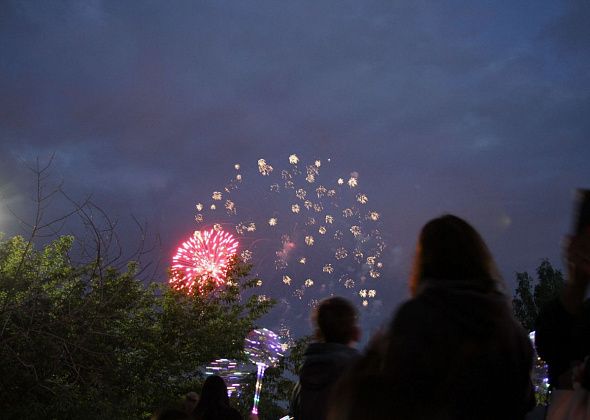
[(570, 31)]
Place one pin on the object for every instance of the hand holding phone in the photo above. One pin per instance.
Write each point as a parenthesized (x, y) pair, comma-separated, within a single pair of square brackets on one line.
[(582, 219), (578, 254)]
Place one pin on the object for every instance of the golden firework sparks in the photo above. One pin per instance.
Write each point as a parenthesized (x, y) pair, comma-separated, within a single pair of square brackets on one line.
[(341, 253), (264, 168), (374, 216)]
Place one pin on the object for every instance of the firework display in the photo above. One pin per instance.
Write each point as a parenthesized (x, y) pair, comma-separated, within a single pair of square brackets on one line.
[(203, 258), (230, 370), (263, 348), (540, 376), (307, 227)]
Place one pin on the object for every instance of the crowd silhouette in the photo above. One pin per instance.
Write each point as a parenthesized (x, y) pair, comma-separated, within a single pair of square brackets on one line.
[(452, 351)]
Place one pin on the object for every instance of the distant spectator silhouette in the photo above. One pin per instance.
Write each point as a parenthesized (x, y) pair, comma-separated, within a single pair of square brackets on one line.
[(563, 326), (453, 351), (191, 400), (336, 331), (214, 402)]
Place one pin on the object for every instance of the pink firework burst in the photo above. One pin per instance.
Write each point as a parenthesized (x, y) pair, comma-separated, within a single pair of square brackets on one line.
[(204, 257)]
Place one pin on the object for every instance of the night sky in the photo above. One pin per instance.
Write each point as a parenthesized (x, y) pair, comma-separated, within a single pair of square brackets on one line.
[(481, 109)]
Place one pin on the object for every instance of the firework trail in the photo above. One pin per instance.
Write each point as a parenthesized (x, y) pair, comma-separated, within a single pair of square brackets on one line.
[(264, 348)]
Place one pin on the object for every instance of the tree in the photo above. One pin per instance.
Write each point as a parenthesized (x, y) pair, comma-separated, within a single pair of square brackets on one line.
[(79, 344), (529, 297), (84, 335)]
